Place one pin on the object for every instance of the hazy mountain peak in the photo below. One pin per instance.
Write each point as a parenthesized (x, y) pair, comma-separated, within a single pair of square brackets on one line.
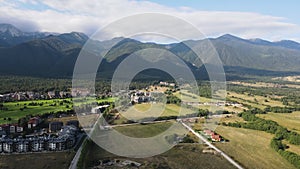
[(259, 41), (229, 37), (10, 30), (79, 35), (288, 44)]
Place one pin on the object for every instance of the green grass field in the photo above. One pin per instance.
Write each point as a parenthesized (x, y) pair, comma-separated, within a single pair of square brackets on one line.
[(251, 148), (141, 111), (14, 108), (288, 120)]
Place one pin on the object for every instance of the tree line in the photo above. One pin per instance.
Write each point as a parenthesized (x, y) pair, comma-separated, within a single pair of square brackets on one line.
[(269, 126)]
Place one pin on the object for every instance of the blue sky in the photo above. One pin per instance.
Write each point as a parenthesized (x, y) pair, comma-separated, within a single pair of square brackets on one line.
[(270, 20), (288, 8)]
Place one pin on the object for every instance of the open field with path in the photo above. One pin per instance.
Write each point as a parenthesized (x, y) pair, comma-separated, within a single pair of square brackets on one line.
[(180, 156), (251, 148)]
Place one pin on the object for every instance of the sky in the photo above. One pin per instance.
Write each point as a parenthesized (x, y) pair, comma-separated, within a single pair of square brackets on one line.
[(271, 20)]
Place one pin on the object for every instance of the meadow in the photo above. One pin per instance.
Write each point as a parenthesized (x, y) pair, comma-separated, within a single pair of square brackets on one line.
[(253, 100), (148, 110), (288, 120), (251, 148), (183, 155), (187, 96), (50, 160), (144, 130)]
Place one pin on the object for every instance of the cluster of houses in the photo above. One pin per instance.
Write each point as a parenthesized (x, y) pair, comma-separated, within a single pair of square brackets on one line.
[(63, 140), (80, 92), (212, 135), (220, 103), (57, 138), (167, 84), (22, 96), (141, 97), (10, 129)]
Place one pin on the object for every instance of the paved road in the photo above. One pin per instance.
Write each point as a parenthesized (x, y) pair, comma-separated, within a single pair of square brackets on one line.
[(212, 146), (74, 162)]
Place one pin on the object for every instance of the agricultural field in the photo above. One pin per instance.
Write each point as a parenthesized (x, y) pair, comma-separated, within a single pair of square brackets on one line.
[(251, 148), (147, 110), (288, 78), (231, 119), (187, 96), (265, 85), (51, 160), (144, 131), (288, 120), (234, 109), (253, 100), (292, 147)]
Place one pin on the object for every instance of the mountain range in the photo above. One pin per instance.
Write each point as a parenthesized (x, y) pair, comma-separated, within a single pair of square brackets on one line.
[(54, 55)]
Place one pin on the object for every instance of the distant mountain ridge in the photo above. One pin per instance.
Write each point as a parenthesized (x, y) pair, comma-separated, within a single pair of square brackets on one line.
[(54, 55), (10, 35)]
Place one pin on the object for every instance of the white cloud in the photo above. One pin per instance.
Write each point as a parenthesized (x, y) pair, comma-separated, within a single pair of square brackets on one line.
[(88, 16)]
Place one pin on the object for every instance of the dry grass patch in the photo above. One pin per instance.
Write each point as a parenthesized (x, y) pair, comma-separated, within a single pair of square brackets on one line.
[(51, 160), (288, 120), (251, 148)]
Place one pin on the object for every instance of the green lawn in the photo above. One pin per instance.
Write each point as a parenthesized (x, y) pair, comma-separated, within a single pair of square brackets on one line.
[(16, 110)]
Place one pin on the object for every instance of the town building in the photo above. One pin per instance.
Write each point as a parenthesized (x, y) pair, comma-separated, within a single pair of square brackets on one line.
[(55, 126), (73, 122), (33, 122)]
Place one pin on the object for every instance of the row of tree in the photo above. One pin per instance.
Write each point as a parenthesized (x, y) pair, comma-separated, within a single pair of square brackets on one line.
[(278, 146), (286, 109), (256, 123)]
